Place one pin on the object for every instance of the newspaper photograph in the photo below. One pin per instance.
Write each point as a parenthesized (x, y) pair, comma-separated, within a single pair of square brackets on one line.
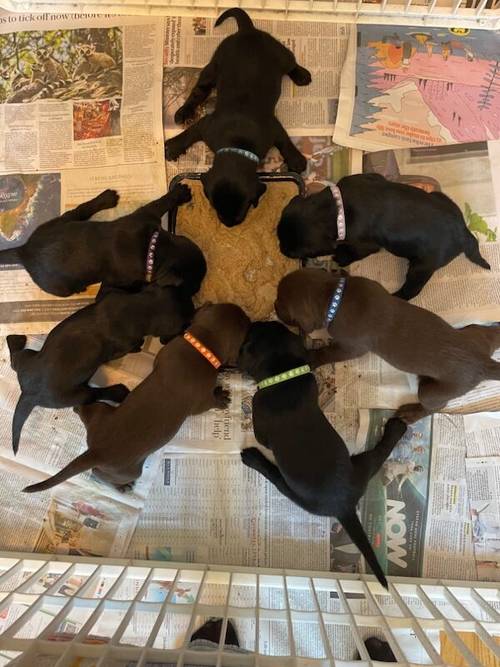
[(403, 86), (76, 94), (483, 482), (78, 117), (415, 509)]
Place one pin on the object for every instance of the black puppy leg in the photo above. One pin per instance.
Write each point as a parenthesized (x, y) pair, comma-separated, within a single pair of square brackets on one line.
[(369, 463), (300, 75), (178, 145), (107, 199), (204, 86), (16, 344), (293, 157), (346, 253), (416, 277), (180, 194), (253, 458)]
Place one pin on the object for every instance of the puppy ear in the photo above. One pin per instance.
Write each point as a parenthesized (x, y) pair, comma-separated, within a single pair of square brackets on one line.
[(168, 276), (261, 188)]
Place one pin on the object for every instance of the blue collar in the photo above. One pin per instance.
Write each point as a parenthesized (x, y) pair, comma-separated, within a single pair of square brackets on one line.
[(335, 302), (240, 151)]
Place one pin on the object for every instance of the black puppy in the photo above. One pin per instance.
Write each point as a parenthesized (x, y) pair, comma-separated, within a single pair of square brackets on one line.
[(246, 70), (65, 255), (57, 376), (428, 229), (314, 468)]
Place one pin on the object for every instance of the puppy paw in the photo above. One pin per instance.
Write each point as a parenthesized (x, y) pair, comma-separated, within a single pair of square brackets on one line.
[(395, 427), (183, 114), (181, 194), (222, 398), (109, 199), (172, 149), (117, 393), (301, 76), (343, 255), (410, 413), (125, 488), (251, 457), (297, 164)]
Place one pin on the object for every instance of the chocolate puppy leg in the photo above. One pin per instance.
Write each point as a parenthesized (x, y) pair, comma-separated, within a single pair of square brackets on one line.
[(179, 144), (333, 353), (115, 392), (369, 463), (293, 157), (417, 276), (220, 399), (204, 86), (107, 199)]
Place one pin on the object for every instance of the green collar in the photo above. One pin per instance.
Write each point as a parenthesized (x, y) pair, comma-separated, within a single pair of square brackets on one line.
[(286, 375)]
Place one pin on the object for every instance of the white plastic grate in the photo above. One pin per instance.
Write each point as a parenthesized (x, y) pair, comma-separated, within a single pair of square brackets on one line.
[(472, 13), (136, 613)]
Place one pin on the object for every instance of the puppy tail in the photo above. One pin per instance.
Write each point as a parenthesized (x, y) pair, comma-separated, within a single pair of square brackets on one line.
[(23, 410), (356, 532), (82, 463), (242, 19), (471, 250), (9, 256)]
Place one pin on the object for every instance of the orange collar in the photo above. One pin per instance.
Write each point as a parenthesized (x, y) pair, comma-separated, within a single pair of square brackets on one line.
[(204, 351)]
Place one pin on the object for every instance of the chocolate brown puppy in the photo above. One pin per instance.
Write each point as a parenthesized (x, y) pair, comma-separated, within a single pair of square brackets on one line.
[(448, 361), (65, 255), (246, 70), (182, 383), (428, 229), (58, 375), (313, 466)]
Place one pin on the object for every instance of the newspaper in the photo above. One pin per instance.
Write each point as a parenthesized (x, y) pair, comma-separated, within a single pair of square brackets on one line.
[(403, 86), (80, 111), (415, 510)]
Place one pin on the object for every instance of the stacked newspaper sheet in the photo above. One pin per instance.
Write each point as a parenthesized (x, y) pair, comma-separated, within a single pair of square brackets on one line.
[(435, 497)]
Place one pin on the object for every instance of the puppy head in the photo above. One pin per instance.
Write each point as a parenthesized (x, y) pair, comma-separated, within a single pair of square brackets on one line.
[(264, 343), (307, 226), (232, 193), (229, 325), (302, 298), (180, 262)]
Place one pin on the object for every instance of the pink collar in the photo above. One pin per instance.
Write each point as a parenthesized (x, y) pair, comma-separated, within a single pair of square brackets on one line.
[(340, 211), (150, 257)]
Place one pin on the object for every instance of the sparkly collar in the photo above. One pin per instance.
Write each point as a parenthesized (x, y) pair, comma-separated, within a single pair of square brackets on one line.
[(240, 151), (335, 301), (340, 211), (202, 349), (150, 257), (282, 377)]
